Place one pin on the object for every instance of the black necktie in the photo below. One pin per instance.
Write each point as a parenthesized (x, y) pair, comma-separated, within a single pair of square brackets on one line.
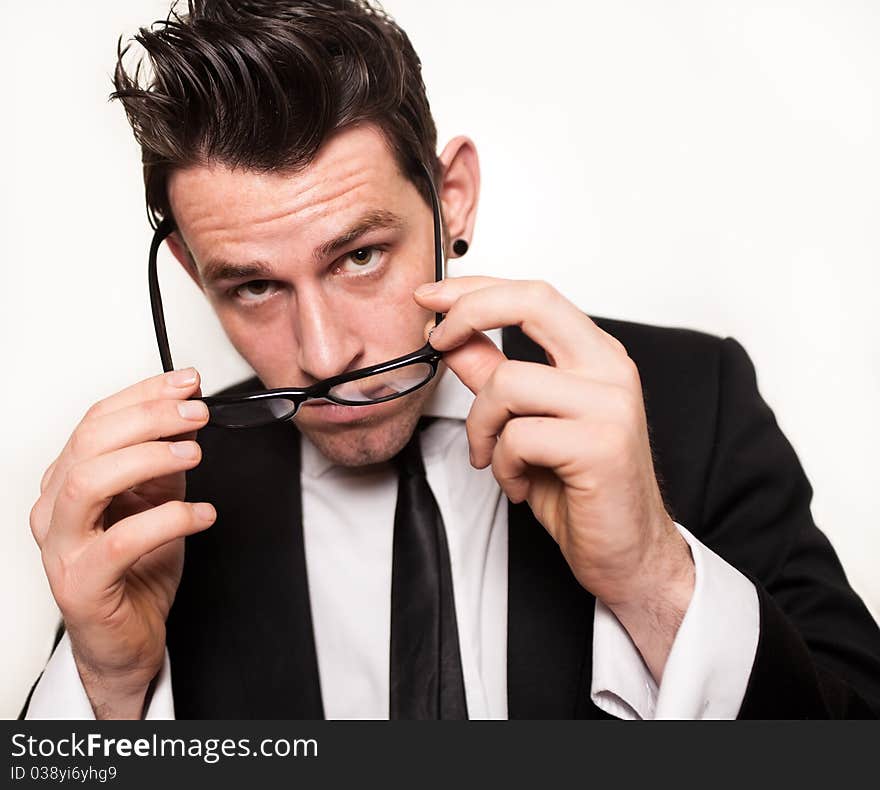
[(426, 676)]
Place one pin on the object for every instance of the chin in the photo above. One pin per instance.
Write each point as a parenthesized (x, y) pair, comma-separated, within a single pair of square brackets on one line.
[(361, 435)]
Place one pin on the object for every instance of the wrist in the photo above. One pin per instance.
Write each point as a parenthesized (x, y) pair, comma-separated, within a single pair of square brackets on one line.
[(668, 578), (663, 573), (114, 695), (653, 612), (112, 699)]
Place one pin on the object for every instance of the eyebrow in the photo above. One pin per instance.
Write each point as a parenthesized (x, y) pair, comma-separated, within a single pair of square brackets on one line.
[(377, 219)]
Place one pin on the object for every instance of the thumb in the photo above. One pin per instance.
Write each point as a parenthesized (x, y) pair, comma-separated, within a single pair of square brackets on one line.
[(474, 360)]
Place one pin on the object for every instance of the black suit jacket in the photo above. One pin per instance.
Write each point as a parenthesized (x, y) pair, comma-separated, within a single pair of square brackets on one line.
[(240, 631)]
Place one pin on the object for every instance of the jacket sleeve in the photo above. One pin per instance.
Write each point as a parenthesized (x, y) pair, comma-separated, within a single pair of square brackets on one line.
[(818, 653), (59, 634)]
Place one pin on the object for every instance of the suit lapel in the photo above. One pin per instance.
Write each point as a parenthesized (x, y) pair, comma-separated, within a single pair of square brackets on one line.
[(549, 615), (246, 576)]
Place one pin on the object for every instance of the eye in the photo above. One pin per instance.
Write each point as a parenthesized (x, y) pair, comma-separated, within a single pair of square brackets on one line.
[(255, 291), (361, 260)]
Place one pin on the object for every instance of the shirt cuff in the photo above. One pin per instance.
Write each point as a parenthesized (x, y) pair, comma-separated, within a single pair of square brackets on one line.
[(59, 693), (710, 661)]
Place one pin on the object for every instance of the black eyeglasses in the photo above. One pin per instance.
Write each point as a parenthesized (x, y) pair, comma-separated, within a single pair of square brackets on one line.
[(374, 384)]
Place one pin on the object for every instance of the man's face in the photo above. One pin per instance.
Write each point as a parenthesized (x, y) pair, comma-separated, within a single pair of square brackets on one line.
[(312, 275)]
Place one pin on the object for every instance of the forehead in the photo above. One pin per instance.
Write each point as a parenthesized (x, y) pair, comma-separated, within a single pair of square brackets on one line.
[(353, 171)]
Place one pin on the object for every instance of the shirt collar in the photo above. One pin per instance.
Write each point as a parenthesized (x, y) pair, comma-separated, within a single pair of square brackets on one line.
[(450, 400)]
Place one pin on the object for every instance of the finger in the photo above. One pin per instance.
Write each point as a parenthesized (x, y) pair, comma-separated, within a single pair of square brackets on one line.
[(176, 385), (119, 548), (528, 442), (47, 475), (569, 337), (39, 521), (140, 422), (91, 484), (473, 361), (143, 422), (517, 389), (41, 512)]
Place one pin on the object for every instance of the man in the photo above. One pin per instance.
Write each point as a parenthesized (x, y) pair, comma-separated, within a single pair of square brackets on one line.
[(538, 569)]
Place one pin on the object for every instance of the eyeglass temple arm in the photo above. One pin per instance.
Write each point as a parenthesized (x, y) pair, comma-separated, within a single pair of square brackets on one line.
[(165, 229), (439, 273)]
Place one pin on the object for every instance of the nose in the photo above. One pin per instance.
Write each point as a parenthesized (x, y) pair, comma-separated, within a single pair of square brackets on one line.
[(327, 347)]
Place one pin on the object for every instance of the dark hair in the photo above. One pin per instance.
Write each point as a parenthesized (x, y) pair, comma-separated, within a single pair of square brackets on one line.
[(260, 84)]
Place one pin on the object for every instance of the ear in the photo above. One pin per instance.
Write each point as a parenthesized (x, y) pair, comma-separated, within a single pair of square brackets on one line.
[(180, 251), (460, 189)]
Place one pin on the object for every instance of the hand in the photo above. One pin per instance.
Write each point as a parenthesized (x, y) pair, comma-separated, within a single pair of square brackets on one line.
[(571, 439), (110, 524)]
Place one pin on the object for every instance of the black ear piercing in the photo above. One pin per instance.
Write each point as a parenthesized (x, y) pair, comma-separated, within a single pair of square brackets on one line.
[(460, 247)]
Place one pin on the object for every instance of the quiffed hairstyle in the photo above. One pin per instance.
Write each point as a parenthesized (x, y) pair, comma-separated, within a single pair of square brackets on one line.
[(260, 84)]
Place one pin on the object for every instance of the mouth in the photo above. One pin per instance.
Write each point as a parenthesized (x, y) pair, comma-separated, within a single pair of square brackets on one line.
[(332, 413)]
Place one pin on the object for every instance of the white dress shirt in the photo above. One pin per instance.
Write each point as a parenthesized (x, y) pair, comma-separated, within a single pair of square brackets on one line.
[(348, 522)]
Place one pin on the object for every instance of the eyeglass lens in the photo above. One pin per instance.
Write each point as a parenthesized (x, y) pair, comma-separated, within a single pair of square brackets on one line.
[(382, 386), (372, 389)]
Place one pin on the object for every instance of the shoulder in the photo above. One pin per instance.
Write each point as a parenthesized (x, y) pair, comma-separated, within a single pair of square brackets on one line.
[(687, 367), (670, 360), (647, 340)]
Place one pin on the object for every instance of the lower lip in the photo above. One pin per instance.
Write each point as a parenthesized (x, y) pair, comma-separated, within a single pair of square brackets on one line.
[(332, 412)]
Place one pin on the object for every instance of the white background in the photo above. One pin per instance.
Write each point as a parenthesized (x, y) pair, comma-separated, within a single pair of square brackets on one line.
[(693, 163)]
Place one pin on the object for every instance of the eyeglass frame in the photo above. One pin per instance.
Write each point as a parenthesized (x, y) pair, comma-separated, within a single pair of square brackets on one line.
[(321, 389)]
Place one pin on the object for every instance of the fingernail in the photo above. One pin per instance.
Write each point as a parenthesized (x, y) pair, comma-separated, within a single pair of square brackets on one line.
[(192, 410), (204, 511), (428, 288), (187, 450), (182, 378), (436, 333)]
